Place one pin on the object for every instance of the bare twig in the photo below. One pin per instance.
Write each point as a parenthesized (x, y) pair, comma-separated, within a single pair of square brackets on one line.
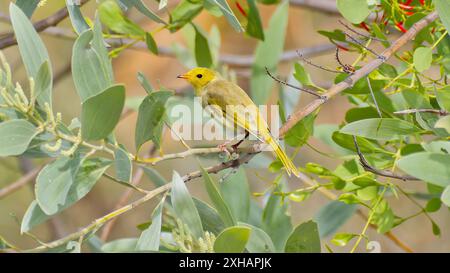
[(360, 73), (346, 68), (293, 86), (27, 178), (9, 39), (371, 169), (359, 33), (373, 96), (413, 111), (356, 41), (315, 65)]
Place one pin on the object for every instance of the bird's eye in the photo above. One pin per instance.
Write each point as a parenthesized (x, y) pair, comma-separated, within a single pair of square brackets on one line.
[(199, 76)]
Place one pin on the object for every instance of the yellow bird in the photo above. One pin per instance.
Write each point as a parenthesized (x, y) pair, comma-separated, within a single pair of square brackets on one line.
[(224, 95)]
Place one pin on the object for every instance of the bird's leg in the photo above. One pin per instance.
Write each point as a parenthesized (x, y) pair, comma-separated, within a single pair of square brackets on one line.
[(235, 146)]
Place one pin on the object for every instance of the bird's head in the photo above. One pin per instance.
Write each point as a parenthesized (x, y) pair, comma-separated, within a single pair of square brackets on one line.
[(199, 77)]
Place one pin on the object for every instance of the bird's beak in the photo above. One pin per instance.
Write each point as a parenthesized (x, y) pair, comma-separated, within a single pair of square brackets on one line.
[(182, 77)]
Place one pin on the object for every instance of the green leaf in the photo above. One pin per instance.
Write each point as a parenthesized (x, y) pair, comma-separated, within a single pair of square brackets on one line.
[(120, 245), (429, 167), (217, 199), (15, 136), (27, 6), (122, 162), (346, 141), (90, 67), (383, 217), (301, 75), (54, 182), (149, 239), (443, 9), (77, 19), (355, 11), (31, 48), (211, 220), (151, 118), (259, 241), (184, 206), (443, 122), (298, 135), (436, 229), (151, 44), (304, 239), (43, 84), (228, 13), (155, 176), (33, 217), (423, 56), (380, 128), (232, 240), (276, 221), (332, 216), (445, 197), (202, 53), (145, 83), (254, 26), (111, 15), (142, 8), (101, 113), (433, 205), (342, 239), (267, 55), (184, 13), (443, 98), (236, 193)]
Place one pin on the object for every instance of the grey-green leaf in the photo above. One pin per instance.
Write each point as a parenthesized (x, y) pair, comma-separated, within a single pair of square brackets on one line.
[(76, 17), (443, 10), (31, 48), (232, 240), (217, 199), (184, 206), (149, 239), (267, 55), (304, 239), (27, 6), (355, 11), (236, 193), (122, 162), (332, 216), (15, 136), (429, 167), (445, 197), (203, 55), (380, 128), (259, 241), (101, 113), (228, 13)]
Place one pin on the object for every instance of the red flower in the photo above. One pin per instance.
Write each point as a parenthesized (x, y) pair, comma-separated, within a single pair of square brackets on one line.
[(399, 25), (241, 9)]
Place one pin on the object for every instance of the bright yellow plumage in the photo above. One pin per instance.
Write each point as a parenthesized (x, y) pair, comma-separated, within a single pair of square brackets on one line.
[(215, 91)]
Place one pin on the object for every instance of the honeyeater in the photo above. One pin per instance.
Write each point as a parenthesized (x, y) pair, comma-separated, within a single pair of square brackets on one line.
[(224, 96)]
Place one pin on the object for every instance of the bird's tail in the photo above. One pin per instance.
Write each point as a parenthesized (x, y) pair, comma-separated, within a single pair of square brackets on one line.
[(287, 162)]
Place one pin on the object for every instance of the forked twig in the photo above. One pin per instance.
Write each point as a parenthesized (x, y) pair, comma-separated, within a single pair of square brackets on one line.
[(359, 33), (371, 169), (356, 41), (315, 65), (293, 86), (346, 68)]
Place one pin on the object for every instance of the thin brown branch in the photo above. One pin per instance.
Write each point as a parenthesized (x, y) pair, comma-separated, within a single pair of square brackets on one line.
[(9, 39), (316, 65), (413, 111), (360, 73), (24, 180), (359, 33), (373, 170), (358, 42), (292, 86)]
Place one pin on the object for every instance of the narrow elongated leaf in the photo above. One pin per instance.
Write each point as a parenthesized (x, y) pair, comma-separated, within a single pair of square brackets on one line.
[(43, 83), (155, 176), (332, 216), (228, 13), (211, 220), (112, 16), (149, 239), (215, 196), (444, 123), (236, 193), (355, 11), (443, 98), (304, 239), (184, 206), (267, 55), (100, 113), (445, 197), (32, 50), (151, 118), (380, 128), (123, 165), (145, 83), (298, 135), (27, 6), (142, 8), (232, 240), (443, 9), (15, 136), (77, 19), (120, 245), (87, 176), (90, 71), (151, 43), (254, 26), (430, 167), (202, 52), (183, 13)]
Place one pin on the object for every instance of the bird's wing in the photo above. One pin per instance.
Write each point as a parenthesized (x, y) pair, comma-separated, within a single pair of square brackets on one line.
[(237, 107)]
